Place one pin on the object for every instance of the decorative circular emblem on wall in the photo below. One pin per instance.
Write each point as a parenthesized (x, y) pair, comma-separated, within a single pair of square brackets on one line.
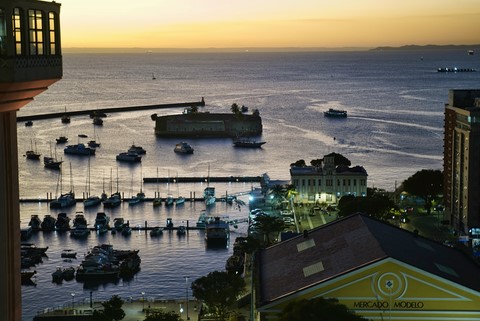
[(389, 285)]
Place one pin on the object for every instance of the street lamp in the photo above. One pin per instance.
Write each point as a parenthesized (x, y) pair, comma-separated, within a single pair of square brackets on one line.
[(186, 294), (143, 301), (73, 300)]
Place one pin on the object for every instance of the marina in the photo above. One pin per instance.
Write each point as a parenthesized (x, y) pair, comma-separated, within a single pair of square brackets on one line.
[(393, 118)]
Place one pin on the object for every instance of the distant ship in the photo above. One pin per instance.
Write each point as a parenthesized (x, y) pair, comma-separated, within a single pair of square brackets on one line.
[(335, 113)]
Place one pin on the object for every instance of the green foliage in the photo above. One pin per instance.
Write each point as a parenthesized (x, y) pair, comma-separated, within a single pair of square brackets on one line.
[(318, 309), (219, 291), (340, 159), (299, 163), (316, 162), (427, 184), (269, 225), (163, 316), (376, 205), (235, 109), (112, 310), (194, 109)]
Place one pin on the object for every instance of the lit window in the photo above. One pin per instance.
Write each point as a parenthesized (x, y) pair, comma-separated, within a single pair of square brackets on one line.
[(17, 31), (35, 31), (52, 19)]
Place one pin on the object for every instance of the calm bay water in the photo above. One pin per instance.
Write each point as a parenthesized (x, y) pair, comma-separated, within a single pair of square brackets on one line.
[(395, 102)]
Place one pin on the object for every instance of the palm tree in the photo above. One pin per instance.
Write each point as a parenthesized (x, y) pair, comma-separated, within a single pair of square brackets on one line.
[(269, 225)]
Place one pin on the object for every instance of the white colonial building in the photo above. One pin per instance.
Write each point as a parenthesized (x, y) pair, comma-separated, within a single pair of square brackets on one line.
[(328, 182)]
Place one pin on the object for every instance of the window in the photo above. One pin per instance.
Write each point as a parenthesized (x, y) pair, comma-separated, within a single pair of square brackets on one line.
[(17, 31), (35, 31), (52, 20), (3, 33)]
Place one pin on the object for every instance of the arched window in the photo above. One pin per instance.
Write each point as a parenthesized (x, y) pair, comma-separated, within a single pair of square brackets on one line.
[(17, 30), (35, 32), (52, 23)]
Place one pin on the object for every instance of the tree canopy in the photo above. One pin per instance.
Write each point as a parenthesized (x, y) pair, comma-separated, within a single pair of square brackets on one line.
[(427, 184), (163, 316), (318, 309), (269, 225), (219, 291), (112, 310), (339, 159), (376, 205)]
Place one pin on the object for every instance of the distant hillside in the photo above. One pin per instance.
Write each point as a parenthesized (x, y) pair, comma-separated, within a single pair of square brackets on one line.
[(428, 47)]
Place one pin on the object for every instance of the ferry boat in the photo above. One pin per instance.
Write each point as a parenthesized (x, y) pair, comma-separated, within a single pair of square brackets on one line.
[(335, 113), (247, 142)]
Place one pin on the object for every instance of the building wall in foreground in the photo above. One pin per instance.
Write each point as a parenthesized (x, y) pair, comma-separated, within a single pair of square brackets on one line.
[(391, 290)]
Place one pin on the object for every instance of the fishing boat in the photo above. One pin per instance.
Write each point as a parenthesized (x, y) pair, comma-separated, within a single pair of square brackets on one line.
[(181, 230), (80, 231), (68, 254), (129, 156), (217, 230), (209, 195), (27, 275), (64, 200), (79, 149), (335, 113), (169, 199), (118, 223), (247, 143), (79, 219), (35, 222), (102, 222), (28, 123), (62, 140), (63, 222), (115, 199), (137, 149), (48, 223), (183, 148), (32, 154), (91, 200), (52, 162), (66, 119), (139, 197), (156, 231)]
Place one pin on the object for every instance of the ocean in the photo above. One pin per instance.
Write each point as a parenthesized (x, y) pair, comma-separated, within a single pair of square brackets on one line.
[(395, 102)]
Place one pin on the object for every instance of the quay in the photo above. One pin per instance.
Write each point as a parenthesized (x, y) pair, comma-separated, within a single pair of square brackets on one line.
[(211, 179), (110, 110), (135, 310)]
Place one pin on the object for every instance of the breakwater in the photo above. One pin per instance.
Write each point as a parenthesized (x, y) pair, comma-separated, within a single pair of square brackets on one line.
[(110, 110)]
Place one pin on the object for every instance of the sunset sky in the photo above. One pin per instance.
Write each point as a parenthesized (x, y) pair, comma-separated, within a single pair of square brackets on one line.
[(267, 23)]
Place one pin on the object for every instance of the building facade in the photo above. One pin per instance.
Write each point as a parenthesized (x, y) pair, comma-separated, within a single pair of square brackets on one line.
[(30, 61), (461, 161), (328, 182), (377, 270)]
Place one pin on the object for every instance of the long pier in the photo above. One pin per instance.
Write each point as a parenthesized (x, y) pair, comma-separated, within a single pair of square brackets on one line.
[(110, 110), (213, 179)]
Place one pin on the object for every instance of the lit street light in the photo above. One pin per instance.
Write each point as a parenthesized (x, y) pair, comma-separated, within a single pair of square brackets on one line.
[(143, 301), (73, 300)]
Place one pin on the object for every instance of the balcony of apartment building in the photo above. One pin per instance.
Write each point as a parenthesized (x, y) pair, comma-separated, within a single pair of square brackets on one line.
[(30, 51)]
